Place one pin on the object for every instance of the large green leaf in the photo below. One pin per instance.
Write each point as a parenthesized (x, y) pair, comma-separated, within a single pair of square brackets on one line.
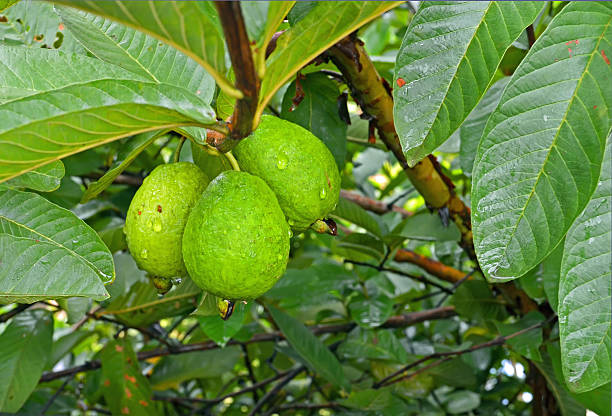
[(61, 118), (124, 387), (190, 26), (5, 4), (447, 59), (137, 52), (471, 129), (352, 212), (310, 348), (585, 314), (25, 346), (318, 112), (323, 26), (46, 178), (47, 252), (540, 156), (277, 10)]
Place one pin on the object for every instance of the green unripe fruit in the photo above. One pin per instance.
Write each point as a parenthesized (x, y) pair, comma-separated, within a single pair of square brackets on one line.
[(236, 242), (157, 216), (298, 167)]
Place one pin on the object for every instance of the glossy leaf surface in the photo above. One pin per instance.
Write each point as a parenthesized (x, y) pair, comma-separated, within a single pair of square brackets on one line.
[(540, 156), (584, 290), (448, 57)]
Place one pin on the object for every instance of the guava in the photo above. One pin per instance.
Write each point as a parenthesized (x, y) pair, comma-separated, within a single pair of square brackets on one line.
[(236, 241), (298, 167), (157, 216)]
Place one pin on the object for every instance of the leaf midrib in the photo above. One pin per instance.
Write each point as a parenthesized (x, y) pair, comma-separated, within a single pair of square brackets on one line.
[(554, 142)]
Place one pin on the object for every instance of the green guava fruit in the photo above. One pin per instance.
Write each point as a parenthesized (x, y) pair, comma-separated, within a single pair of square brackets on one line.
[(157, 216), (298, 167), (236, 242)]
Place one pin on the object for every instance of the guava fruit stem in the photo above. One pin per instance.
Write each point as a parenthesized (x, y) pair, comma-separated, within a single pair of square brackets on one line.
[(325, 226)]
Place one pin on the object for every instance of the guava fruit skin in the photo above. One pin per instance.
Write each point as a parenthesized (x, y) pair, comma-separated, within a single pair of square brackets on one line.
[(236, 242), (157, 216), (296, 165)]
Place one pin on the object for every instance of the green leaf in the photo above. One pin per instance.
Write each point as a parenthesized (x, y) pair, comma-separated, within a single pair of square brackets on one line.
[(371, 312), (221, 331), (5, 4), (540, 156), (471, 129), (48, 125), (137, 52), (359, 246), (585, 313), (598, 400), (171, 371), (374, 345), (47, 252), (447, 59), (368, 400), (25, 346), (46, 178), (567, 404), (527, 344), (75, 308), (551, 271), (28, 71), (277, 11), (324, 25), (191, 27), (137, 145), (65, 345), (473, 299), (426, 226), (125, 389), (462, 401), (211, 165), (319, 358), (353, 213), (318, 112)]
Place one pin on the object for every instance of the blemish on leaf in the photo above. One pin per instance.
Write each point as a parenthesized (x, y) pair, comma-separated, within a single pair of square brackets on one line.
[(125, 411), (118, 348), (594, 107), (128, 393), (130, 378), (143, 403), (605, 58), (60, 27), (106, 383), (401, 82)]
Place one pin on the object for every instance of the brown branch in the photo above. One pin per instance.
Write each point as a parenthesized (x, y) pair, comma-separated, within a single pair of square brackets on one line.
[(432, 267), (373, 95), (445, 356), (373, 205), (274, 391), (530, 35), (247, 82), (16, 310), (399, 321)]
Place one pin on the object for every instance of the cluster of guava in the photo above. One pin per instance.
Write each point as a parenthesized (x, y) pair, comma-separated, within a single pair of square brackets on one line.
[(231, 236)]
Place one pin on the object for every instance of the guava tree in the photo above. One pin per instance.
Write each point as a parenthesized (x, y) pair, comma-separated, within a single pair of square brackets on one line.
[(464, 269)]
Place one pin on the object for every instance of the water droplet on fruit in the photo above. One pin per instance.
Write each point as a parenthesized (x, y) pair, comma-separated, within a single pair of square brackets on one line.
[(290, 233), (282, 162), (157, 226), (279, 257), (291, 223), (322, 193), (144, 254), (149, 224)]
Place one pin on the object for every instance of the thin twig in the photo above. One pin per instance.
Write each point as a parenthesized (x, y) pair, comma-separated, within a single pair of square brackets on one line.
[(274, 390), (247, 363), (16, 310), (373, 205), (398, 321), (448, 355), (177, 152), (55, 396), (455, 286), (421, 279), (530, 35)]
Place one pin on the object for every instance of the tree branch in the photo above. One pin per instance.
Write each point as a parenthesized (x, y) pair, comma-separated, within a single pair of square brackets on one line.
[(445, 356), (247, 82), (373, 205), (274, 391), (399, 321), (16, 310), (373, 95), (433, 267)]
